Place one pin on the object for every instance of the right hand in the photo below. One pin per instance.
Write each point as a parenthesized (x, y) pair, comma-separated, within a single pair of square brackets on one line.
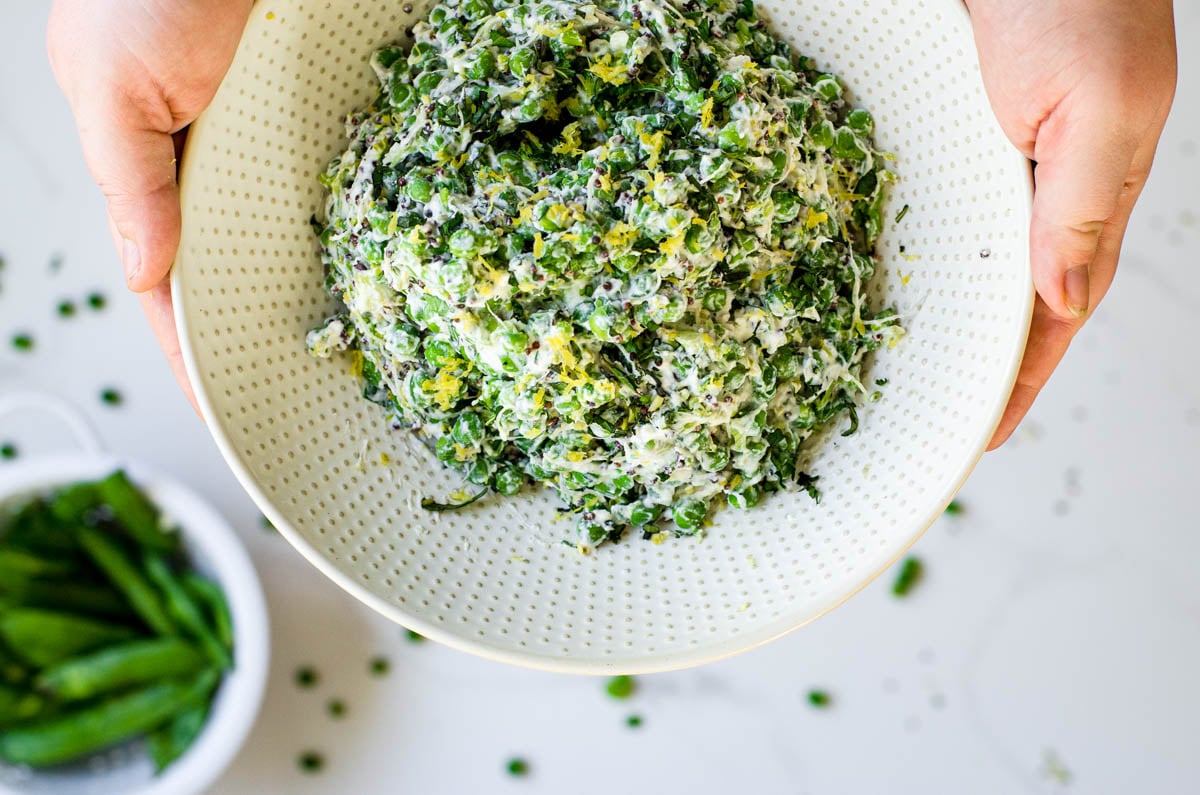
[(136, 75)]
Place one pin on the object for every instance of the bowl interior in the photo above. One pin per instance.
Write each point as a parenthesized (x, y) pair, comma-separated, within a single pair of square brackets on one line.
[(495, 579), (216, 552)]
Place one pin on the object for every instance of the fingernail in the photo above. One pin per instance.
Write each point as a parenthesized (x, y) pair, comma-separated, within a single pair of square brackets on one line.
[(131, 259), (1077, 289)]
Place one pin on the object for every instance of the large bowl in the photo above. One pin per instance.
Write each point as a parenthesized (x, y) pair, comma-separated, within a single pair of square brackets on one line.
[(494, 579)]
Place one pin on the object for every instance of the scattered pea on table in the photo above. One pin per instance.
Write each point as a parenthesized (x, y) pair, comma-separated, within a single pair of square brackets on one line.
[(66, 309), (307, 677), (819, 698), (517, 767), (22, 342), (97, 301), (311, 762), (111, 397), (620, 687), (634, 721)]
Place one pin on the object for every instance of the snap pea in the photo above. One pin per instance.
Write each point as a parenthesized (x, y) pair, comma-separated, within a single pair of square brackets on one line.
[(67, 596), (135, 513), (185, 610), (127, 579), (209, 594), (35, 528), (22, 562), (171, 741), (94, 728), (46, 637), (18, 705), (119, 666)]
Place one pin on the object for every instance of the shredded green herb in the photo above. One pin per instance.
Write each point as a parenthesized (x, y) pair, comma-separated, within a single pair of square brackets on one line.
[(22, 342), (911, 572), (819, 698), (619, 248), (97, 301), (8, 451), (111, 397), (634, 721), (954, 508), (380, 666), (517, 767), (66, 309), (414, 637), (337, 708)]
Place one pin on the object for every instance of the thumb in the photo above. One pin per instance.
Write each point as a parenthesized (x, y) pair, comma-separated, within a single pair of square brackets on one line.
[(1083, 162), (131, 155)]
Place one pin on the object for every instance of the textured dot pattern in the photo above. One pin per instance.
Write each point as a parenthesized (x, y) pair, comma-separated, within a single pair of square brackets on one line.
[(495, 578)]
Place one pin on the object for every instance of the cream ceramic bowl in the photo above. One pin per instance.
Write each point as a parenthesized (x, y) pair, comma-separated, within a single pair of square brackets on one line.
[(495, 579)]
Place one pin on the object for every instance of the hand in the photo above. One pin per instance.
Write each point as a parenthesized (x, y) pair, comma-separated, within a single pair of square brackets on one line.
[(136, 74), (1082, 87)]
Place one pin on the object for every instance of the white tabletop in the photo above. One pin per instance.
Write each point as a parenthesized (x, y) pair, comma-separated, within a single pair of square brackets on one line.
[(1053, 645)]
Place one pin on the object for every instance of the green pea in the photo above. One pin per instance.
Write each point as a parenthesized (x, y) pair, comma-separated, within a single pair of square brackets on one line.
[(419, 189), (426, 83), (860, 121), (508, 481), (689, 514), (484, 66), (477, 9), (847, 147), (446, 449), (440, 352), (521, 62), (828, 88), (715, 300), (821, 135), (732, 139), (468, 429), (745, 496)]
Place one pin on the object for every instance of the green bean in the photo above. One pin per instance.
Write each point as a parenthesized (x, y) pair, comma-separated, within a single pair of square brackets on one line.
[(94, 728), (171, 741), (69, 597), (73, 504), (212, 597), (119, 666), (126, 578), (18, 705), (185, 611), (135, 513), (21, 562), (45, 637), (35, 528)]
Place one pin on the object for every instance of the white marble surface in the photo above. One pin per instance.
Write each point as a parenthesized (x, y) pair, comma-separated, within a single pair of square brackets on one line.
[(1053, 646)]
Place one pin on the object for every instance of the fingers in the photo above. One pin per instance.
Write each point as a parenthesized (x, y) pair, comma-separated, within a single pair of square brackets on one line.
[(156, 303), (1050, 334), (134, 165), (1084, 164)]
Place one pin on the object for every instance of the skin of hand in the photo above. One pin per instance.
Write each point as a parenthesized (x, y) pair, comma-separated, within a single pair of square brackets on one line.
[(1083, 88), (136, 73)]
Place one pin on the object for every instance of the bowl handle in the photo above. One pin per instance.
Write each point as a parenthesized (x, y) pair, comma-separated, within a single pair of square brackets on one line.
[(85, 435)]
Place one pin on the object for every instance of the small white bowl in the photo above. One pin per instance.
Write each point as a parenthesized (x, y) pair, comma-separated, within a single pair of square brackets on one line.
[(216, 552)]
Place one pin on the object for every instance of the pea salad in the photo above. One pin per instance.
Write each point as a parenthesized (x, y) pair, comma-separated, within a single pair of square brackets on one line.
[(619, 248)]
